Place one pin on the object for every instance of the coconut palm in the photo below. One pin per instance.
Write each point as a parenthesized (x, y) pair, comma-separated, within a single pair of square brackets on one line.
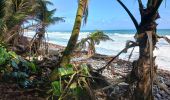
[(82, 12), (44, 17), (93, 39), (16, 12), (2, 14), (146, 37)]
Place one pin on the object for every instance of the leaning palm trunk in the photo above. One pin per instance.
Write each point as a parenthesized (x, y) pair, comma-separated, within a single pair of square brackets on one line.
[(74, 36), (73, 39)]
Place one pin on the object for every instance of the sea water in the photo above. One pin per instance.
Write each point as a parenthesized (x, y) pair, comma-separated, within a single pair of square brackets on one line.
[(120, 38)]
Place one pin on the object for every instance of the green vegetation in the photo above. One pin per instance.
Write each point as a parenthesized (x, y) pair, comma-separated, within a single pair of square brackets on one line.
[(15, 68), (93, 39), (57, 77), (72, 83), (82, 10)]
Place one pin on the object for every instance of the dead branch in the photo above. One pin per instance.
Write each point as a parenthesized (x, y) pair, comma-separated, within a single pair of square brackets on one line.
[(131, 53), (112, 85), (165, 38), (162, 86), (129, 44)]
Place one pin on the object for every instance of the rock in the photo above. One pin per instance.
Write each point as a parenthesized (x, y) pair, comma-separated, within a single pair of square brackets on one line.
[(168, 98), (158, 96), (161, 79), (168, 83), (116, 89), (123, 83)]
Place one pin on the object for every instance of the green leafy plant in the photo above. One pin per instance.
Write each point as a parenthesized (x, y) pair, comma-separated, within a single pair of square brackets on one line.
[(72, 83), (14, 67)]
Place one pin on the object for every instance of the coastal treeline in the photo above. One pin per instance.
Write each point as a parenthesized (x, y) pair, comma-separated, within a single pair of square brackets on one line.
[(33, 70)]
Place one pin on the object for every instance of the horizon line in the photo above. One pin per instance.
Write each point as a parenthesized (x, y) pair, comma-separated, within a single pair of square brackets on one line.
[(105, 29)]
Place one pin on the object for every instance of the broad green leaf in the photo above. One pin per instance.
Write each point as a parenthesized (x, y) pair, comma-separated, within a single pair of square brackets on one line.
[(32, 66), (25, 64), (14, 64), (65, 71), (2, 61), (19, 74), (78, 91), (13, 54), (73, 85), (56, 88), (69, 66), (85, 69)]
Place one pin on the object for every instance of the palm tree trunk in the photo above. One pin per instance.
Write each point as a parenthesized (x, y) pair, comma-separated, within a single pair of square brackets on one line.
[(145, 65), (145, 70), (72, 41)]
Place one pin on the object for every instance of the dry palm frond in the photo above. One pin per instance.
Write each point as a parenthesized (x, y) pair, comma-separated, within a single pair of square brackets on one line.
[(149, 34), (86, 11)]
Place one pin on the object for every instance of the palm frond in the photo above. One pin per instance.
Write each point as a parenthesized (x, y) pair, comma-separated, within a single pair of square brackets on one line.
[(99, 36), (2, 6), (92, 39), (85, 14), (130, 14), (85, 11), (57, 19), (82, 44)]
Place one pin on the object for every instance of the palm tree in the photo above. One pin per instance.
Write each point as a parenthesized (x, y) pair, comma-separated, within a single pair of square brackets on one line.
[(2, 14), (146, 37), (44, 17), (92, 40), (82, 11), (16, 12)]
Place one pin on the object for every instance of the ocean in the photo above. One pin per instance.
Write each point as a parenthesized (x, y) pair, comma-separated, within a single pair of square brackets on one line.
[(111, 48)]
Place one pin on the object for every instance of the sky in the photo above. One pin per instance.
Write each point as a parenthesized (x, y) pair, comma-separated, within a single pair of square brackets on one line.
[(105, 15)]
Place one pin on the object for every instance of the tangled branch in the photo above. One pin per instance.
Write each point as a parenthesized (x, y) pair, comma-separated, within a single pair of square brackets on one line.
[(129, 44)]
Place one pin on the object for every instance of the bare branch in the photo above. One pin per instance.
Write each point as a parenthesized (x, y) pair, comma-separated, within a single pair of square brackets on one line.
[(162, 86), (156, 7), (131, 53), (130, 14), (165, 38), (140, 6), (129, 44)]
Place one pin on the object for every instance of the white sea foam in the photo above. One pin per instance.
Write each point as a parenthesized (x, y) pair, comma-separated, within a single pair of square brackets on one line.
[(113, 47)]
